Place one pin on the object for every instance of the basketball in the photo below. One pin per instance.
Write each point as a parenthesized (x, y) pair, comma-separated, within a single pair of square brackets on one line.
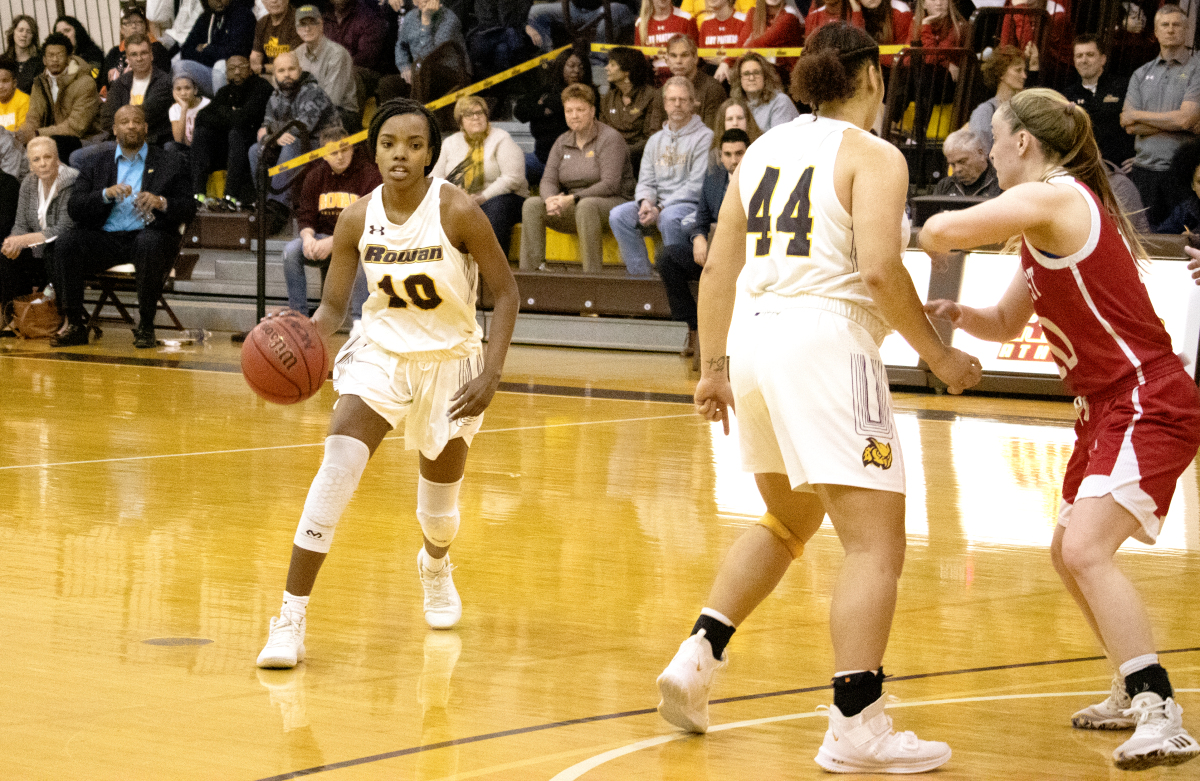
[(284, 360)]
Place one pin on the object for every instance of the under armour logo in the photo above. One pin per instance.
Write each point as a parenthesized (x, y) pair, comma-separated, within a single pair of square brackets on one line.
[(372, 228)]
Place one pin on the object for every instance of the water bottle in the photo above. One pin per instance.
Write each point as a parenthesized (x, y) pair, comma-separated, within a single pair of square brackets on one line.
[(180, 338), (48, 293)]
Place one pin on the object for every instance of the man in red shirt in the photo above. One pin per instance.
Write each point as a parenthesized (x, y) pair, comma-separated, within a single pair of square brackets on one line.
[(332, 184)]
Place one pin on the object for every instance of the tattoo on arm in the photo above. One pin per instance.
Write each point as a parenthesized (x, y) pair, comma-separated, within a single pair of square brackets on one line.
[(719, 365)]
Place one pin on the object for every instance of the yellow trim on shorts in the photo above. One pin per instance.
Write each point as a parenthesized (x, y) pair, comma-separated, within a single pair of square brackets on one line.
[(776, 527)]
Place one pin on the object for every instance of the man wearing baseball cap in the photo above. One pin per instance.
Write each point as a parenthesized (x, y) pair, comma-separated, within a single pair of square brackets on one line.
[(329, 63)]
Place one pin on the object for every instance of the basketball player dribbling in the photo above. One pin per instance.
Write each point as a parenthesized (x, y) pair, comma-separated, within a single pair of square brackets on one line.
[(804, 281), (1138, 425), (418, 359)]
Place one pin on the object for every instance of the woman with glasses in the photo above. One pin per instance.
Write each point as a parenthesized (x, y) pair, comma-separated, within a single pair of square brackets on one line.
[(757, 82), (488, 164)]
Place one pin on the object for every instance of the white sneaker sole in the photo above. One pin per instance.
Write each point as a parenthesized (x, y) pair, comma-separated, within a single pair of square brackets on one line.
[(1114, 724), (442, 622), (674, 708), (279, 662), (835, 764), (1155, 759)]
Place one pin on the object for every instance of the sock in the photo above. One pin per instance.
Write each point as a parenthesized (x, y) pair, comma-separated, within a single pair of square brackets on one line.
[(1149, 679), (854, 691), (717, 630), (295, 605), (431, 564)]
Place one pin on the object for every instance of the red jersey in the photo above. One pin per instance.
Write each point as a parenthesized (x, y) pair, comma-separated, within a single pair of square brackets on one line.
[(818, 18), (902, 19), (715, 34), (659, 32), (786, 31), (1019, 31), (1093, 307)]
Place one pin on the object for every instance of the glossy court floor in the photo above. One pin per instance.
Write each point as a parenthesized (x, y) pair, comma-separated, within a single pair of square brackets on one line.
[(148, 506)]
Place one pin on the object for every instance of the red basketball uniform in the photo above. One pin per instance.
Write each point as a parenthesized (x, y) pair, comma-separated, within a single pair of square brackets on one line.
[(715, 34), (658, 33), (1139, 422)]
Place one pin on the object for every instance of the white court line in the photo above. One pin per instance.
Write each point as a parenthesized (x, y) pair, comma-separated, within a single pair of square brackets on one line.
[(578, 770), (322, 443)]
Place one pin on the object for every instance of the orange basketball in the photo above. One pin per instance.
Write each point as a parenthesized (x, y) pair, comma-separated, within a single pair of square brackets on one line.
[(284, 359)]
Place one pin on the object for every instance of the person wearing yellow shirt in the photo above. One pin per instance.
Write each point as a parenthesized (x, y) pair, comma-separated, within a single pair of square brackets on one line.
[(14, 104)]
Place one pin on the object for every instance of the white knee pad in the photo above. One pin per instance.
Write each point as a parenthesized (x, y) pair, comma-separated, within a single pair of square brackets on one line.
[(437, 510), (330, 492)]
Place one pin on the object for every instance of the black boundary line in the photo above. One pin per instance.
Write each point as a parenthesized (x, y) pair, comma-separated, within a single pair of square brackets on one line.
[(520, 387), (646, 711)]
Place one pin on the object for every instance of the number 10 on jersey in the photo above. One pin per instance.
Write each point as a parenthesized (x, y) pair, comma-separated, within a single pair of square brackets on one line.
[(796, 218)]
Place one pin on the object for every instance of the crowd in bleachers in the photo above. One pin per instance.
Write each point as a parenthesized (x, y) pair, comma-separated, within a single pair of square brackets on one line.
[(624, 142)]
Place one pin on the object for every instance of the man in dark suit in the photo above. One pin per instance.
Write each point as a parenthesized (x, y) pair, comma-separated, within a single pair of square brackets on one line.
[(142, 85), (1102, 96), (129, 206)]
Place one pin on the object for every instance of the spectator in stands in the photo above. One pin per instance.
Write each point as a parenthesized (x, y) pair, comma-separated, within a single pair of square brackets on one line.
[(329, 63), (226, 28), (274, 34), (679, 265), (332, 183), (683, 61), (1128, 198), (770, 24), (142, 85), (14, 104), (499, 41), (85, 48), (670, 180), (297, 96), (733, 114), (704, 10), (1102, 96), (174, 20), (63, 103), (1021, 32), (1004, 72), (225, 130), (944, 28), (12, 161), (116, 62), (1185, 168), (588, 174), (889, 22), (182, 114), (543, 16), (1162, 107), (831, 11), (41, 216), (757, 82), (129, 206), (488, 164), (544, 110), (659, 22), (973, 174), (421, 33), (721, 29), (628, 102), (360, 30), (21, 46)]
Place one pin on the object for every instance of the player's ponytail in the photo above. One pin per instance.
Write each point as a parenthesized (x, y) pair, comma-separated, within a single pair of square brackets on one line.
[(827, 71), (396, 107), (1065, 133)]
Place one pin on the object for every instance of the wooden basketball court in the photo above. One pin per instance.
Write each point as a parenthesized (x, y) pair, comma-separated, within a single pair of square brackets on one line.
[(149, 506)]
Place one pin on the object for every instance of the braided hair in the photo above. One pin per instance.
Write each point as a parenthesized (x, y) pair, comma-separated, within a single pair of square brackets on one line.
[(396, 107)]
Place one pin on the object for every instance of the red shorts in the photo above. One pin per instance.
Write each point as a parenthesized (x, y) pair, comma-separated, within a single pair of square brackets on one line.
[(1134, 444)]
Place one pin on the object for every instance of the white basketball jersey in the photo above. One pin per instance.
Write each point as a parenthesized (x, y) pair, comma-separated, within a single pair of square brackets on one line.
[(799, 237), (422, 289)]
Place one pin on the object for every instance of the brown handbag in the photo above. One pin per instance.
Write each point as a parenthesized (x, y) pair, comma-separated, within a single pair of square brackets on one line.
[(35, 317)]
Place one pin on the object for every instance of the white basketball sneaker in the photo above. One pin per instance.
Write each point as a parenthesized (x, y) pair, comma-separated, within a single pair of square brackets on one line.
[(866, 743), (443, 607), (1110, 714), (1159, 739), (686, 682), (285, 645)]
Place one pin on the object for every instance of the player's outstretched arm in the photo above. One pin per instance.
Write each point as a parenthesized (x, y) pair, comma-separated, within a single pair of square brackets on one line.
[(468, 229), (1029, 209), (877, 198), (998, 323), (718, 287), (343, 266)]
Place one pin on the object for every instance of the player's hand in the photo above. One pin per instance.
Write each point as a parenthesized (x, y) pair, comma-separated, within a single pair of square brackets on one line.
[(957, 369), (941, 309), (714, 399), (474, 397), (1194, 263)]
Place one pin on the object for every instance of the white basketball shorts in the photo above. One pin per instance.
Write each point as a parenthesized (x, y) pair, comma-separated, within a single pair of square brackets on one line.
[(416, 393), (812, 400)]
